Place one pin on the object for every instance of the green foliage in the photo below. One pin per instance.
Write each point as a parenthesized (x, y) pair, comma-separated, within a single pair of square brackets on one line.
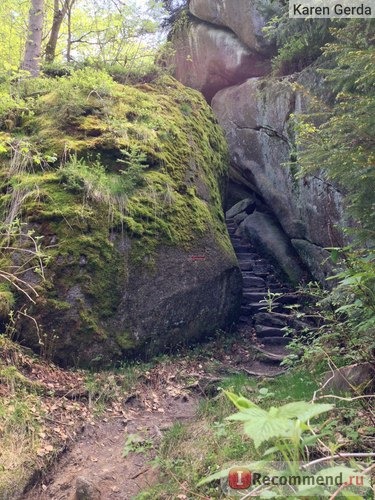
[(344, 140), (298, 41), (286, 423), (22, 255), (270, 300), (346, 314), (7, 300), (288, 429), (136, 444), (99, 186), (357, 288)]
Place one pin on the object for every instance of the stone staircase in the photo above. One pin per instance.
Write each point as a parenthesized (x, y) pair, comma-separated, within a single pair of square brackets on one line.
[(266, 304)]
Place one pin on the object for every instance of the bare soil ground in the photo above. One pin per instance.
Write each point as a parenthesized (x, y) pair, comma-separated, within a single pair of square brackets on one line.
[(86, 456), (97, 466)]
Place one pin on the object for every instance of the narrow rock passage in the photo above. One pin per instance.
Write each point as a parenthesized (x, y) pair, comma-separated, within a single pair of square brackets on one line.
[(267, 302)]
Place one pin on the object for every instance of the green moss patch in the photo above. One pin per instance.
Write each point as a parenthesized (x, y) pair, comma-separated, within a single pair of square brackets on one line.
[(108, 163)]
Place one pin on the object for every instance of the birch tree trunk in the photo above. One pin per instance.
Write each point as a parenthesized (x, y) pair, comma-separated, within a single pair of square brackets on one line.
[(58, 17), (31, 61)]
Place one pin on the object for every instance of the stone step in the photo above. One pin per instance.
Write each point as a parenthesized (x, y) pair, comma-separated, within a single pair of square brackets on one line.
[(251, 308), (252, 296), (253, 282), (246, 319), (288, 298), (278, 289), (262, 268), (274, 280), (272, 319), (259, 273), (280, 319), (275, 341), (269, 355), (269, 331), (243, 250), (245, 265), (257, 368), (246, 256)]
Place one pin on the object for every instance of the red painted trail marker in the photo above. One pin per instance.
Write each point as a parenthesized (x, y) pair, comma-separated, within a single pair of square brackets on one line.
[(198, 257)]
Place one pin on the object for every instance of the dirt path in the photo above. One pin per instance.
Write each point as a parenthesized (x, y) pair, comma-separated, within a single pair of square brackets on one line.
[(111, 459)]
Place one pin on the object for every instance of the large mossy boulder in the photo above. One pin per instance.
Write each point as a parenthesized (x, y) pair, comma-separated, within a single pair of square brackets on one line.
[(126, 191)]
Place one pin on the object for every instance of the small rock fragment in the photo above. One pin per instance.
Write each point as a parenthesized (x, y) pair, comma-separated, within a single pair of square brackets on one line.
[(86, 490)]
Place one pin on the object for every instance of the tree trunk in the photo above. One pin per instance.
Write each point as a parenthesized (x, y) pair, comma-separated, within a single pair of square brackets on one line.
[(31, 61), (58, 17), (69, 41)]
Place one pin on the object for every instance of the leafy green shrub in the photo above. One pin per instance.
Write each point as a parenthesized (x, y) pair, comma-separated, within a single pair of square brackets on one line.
[(347, 314), (299, 41), (344, 141), (291, 434)]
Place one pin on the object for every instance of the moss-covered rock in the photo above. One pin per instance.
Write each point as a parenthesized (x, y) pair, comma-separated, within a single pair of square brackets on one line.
[(124, 183)]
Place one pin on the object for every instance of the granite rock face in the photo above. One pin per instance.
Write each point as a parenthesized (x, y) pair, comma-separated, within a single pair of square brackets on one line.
[(256, 117), (245, 18), (223, 53), (265, 234), (208, 58), (189, 294)]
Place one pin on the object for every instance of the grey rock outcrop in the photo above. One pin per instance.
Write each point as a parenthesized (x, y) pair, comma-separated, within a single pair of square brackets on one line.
[(189, 295), (359, 377), (256, 117), (245, 18), (223, 53), (246, 205), (316, 259), (264, 233), (208, 58)]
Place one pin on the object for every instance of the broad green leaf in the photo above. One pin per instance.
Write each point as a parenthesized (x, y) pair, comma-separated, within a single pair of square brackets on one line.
[(249, 414), (310, 491), (335, 255), (303, 410), (268, 494), (309, 440), (239, 401), (270, 451), (223, 473), (350, 494), (213, 477), (264, 428)]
